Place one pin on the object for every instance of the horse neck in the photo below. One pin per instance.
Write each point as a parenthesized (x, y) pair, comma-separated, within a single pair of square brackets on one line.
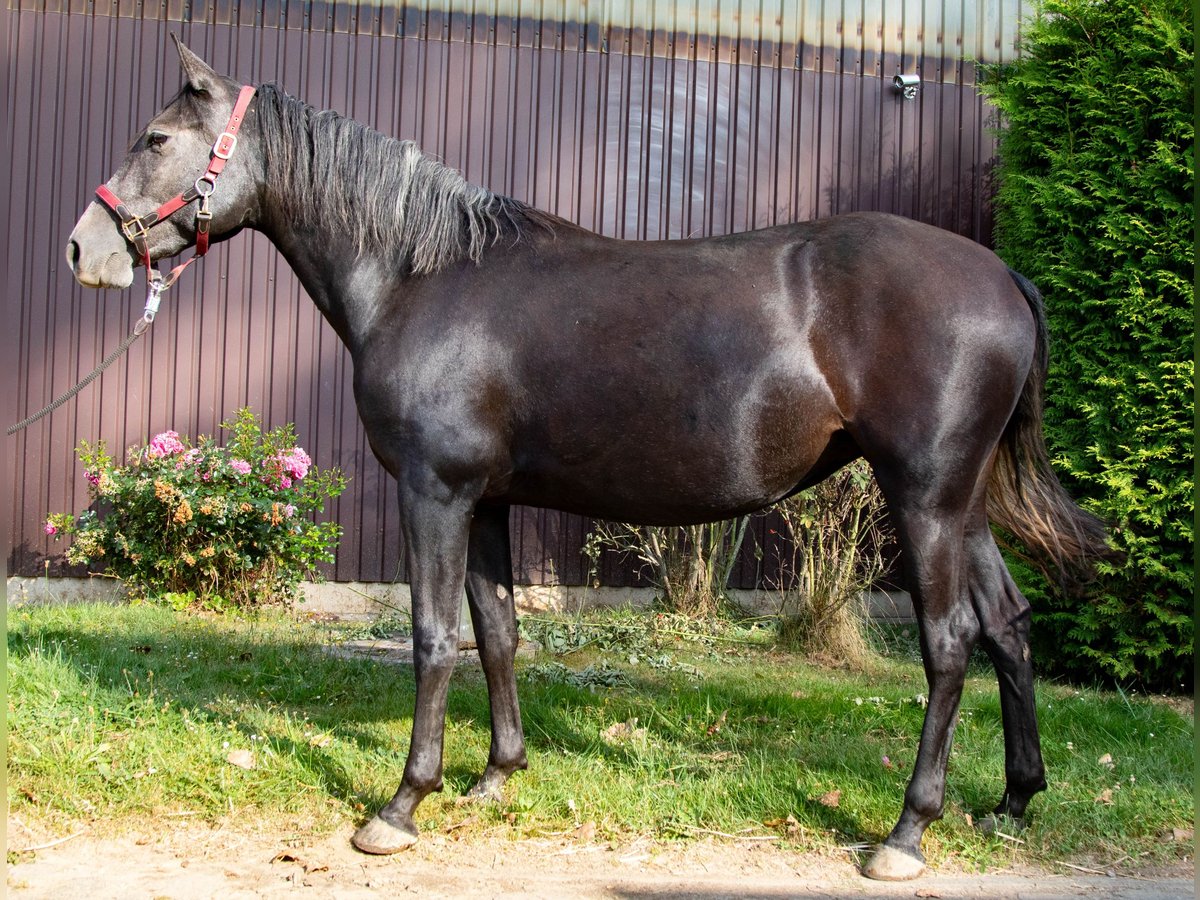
[(348, 288)]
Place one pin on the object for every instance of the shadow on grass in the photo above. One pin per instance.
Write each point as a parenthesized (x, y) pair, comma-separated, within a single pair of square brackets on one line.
[(220, 670)]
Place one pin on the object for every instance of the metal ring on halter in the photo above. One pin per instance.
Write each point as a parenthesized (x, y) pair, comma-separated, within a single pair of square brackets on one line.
[(209, 183)]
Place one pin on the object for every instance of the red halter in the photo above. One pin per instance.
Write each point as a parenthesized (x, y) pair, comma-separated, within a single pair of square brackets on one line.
[(136, 228)]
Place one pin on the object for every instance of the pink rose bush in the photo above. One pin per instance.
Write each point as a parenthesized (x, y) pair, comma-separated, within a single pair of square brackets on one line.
[(165, 444), (288, 467), (296, 463), (182, 522)]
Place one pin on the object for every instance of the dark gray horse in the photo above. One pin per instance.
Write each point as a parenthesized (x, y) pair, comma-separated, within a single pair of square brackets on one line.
[(503, 355)]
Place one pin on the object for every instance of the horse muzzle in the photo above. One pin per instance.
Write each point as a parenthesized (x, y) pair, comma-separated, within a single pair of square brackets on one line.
[(97, 253)]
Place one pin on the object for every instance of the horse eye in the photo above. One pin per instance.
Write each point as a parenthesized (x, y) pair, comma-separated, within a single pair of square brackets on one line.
[(155, 139)]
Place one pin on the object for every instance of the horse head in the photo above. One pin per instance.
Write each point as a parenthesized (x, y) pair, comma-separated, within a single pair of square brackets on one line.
[(154, 182)]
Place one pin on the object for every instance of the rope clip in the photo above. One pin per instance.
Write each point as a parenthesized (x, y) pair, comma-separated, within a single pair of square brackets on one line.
[(153, 299)]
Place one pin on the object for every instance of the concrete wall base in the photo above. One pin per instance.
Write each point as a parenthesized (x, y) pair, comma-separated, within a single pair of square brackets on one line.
[(371, 600)]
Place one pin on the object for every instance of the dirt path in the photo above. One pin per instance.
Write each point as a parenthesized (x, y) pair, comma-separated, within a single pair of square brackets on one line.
[(199, 862)]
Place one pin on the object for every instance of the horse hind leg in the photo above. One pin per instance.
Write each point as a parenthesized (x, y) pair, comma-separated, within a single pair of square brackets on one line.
[(490, 597), (932, 442), (930, 527), (1004, 618)]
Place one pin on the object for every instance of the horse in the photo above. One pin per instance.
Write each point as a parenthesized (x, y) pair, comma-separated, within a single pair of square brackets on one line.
[(503, 355)]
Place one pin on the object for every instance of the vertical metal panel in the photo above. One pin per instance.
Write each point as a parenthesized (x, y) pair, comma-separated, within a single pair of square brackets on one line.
[(642, 121)]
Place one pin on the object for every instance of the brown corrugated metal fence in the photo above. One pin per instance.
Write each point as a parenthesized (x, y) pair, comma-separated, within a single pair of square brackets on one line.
[(706, 121)]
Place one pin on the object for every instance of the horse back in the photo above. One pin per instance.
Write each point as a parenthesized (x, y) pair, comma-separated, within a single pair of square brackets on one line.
[(679, 380)]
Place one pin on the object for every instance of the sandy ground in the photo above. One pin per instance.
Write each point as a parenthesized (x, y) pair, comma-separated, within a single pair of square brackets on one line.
[(197, 861)]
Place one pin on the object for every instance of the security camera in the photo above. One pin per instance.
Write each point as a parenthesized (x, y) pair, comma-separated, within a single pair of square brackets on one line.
[(907, 85)]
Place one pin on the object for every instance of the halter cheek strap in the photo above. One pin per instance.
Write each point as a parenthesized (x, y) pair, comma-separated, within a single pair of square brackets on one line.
[(137, 228)]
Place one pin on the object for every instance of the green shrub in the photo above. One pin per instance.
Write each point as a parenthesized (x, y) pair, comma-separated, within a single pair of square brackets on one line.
[(832, 554), (688, 566), (1095, 205), (207, 525)]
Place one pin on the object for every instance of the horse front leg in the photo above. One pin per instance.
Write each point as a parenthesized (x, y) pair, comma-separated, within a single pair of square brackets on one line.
[(435, 524), (493, 612)]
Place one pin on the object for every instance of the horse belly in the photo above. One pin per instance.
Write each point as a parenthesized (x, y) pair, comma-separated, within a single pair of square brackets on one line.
[(691, 450)]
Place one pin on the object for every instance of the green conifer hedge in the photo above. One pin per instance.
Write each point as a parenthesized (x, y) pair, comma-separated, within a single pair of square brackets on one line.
[(1095, 206)]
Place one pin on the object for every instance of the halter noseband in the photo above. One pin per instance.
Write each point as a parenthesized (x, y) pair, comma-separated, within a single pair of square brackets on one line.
[(137, 228)]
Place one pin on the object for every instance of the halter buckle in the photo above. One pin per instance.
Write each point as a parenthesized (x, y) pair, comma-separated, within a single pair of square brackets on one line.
[(224, 146)]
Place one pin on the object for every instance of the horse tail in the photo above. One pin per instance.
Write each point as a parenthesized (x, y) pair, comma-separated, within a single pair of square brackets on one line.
[(1025, 497)]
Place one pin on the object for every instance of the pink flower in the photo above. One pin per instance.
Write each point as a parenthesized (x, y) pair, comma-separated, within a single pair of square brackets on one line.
[(289, 510), (296, 462), (286, 468), (274, 478), (240, 466), (50, 527), (92, 478), (164, 444), (192, 458)]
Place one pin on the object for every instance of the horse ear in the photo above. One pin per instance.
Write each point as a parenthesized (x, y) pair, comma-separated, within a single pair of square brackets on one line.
[(200, 75)]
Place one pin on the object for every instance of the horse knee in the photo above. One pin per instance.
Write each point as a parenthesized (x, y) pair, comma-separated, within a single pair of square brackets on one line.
[(435, 657)]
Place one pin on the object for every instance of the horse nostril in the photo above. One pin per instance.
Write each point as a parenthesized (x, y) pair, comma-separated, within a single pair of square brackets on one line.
[(72, 255)]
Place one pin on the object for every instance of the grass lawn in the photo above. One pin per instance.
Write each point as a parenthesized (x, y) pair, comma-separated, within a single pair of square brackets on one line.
[(118, 716)]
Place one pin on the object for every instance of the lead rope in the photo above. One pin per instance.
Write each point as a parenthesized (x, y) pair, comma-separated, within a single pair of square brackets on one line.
[(157, 287)]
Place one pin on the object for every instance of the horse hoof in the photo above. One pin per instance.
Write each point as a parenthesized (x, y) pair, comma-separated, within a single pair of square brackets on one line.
[(890, 864), (993, 824), (478, 796), (381, 838), (486, 790)]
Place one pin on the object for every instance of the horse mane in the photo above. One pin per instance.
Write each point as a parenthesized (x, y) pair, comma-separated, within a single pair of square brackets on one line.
[(385, 193)]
